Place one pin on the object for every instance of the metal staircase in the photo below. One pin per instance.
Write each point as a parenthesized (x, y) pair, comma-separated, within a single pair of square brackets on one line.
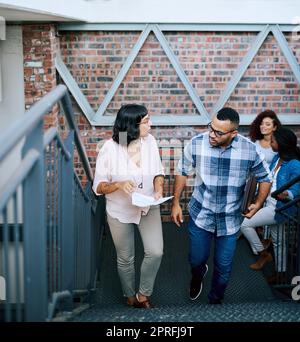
[(248, 297), (57, 253), (50, 222)]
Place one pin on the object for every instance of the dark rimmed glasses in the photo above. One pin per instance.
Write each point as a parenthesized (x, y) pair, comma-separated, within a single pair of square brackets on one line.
[(219, 133)]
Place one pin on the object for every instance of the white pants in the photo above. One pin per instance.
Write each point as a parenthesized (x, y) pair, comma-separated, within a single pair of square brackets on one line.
[(150, 228), (265, 216)]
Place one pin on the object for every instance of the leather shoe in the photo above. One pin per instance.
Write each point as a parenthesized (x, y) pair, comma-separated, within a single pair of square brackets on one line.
[(264, 258), (131, 301), (145, 304)]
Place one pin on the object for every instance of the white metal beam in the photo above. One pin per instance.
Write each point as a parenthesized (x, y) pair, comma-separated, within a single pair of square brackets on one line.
[(180, 72), (238, 74), (99, 119), (74, 89), (121, 75), (172, 27), (290, 57)]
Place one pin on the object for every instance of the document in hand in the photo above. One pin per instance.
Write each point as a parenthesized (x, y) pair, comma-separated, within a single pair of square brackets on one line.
[(144, 201)]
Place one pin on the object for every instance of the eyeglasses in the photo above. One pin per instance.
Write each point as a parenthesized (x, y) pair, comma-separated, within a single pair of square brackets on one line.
[(218, 133)]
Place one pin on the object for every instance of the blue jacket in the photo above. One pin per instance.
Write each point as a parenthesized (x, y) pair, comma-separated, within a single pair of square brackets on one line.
[(288, 170)]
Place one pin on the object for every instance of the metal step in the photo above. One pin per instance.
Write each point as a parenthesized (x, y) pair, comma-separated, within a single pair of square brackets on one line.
[(247, 298)]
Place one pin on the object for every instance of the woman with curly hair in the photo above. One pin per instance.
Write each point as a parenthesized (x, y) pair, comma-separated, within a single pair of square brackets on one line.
[(261, 131), (285, 166)]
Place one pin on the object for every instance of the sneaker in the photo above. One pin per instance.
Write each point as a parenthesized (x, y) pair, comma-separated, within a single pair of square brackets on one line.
[(196, 285)]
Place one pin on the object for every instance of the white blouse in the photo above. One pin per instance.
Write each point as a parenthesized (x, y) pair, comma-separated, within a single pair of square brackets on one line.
[(266, 151), (114, 165)]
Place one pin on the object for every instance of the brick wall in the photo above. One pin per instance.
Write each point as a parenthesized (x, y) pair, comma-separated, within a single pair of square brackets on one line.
[(208, 58), (40, 47)]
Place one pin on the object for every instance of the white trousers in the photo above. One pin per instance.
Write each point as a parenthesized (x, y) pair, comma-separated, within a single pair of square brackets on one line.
[(265, 217), (150, 229)]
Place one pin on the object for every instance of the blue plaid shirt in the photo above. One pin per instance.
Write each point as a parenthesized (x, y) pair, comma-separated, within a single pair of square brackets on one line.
[(221, 174)]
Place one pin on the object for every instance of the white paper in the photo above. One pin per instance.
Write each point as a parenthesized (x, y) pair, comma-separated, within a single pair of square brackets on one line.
[(141, 200)]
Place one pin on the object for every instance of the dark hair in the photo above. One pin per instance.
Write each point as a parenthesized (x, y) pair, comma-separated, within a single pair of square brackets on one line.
[(127, 120), (287, 144), (230, 114), (255, 133)]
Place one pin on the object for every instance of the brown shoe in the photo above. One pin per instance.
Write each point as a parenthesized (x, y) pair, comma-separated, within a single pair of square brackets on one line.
[(131, 301), (145, 304), (264, 258)]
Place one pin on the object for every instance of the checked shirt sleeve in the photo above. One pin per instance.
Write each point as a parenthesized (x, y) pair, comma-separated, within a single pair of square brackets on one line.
[(186, 165)]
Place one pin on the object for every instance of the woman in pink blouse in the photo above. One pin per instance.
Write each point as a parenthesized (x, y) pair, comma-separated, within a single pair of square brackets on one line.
[(127, 163)]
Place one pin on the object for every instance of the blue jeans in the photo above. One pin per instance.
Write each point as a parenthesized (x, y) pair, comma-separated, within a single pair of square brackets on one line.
[(200, 241)]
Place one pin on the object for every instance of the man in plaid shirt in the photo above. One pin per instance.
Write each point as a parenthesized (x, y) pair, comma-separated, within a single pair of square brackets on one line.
[(222, 160)]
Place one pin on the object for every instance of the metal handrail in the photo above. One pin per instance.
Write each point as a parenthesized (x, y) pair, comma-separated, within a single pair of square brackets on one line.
[(18, 177), (67, 106), (288, 205), (52, 134), (285, 186), (80, 187), (55, 211), (23, 126)]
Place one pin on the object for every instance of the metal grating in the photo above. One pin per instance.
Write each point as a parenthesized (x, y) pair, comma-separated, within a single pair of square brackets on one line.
[(248, 297)]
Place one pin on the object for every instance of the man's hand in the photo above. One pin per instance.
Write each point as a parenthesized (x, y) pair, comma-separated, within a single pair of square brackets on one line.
[(253, 209), (176, 214), (127, 186)]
